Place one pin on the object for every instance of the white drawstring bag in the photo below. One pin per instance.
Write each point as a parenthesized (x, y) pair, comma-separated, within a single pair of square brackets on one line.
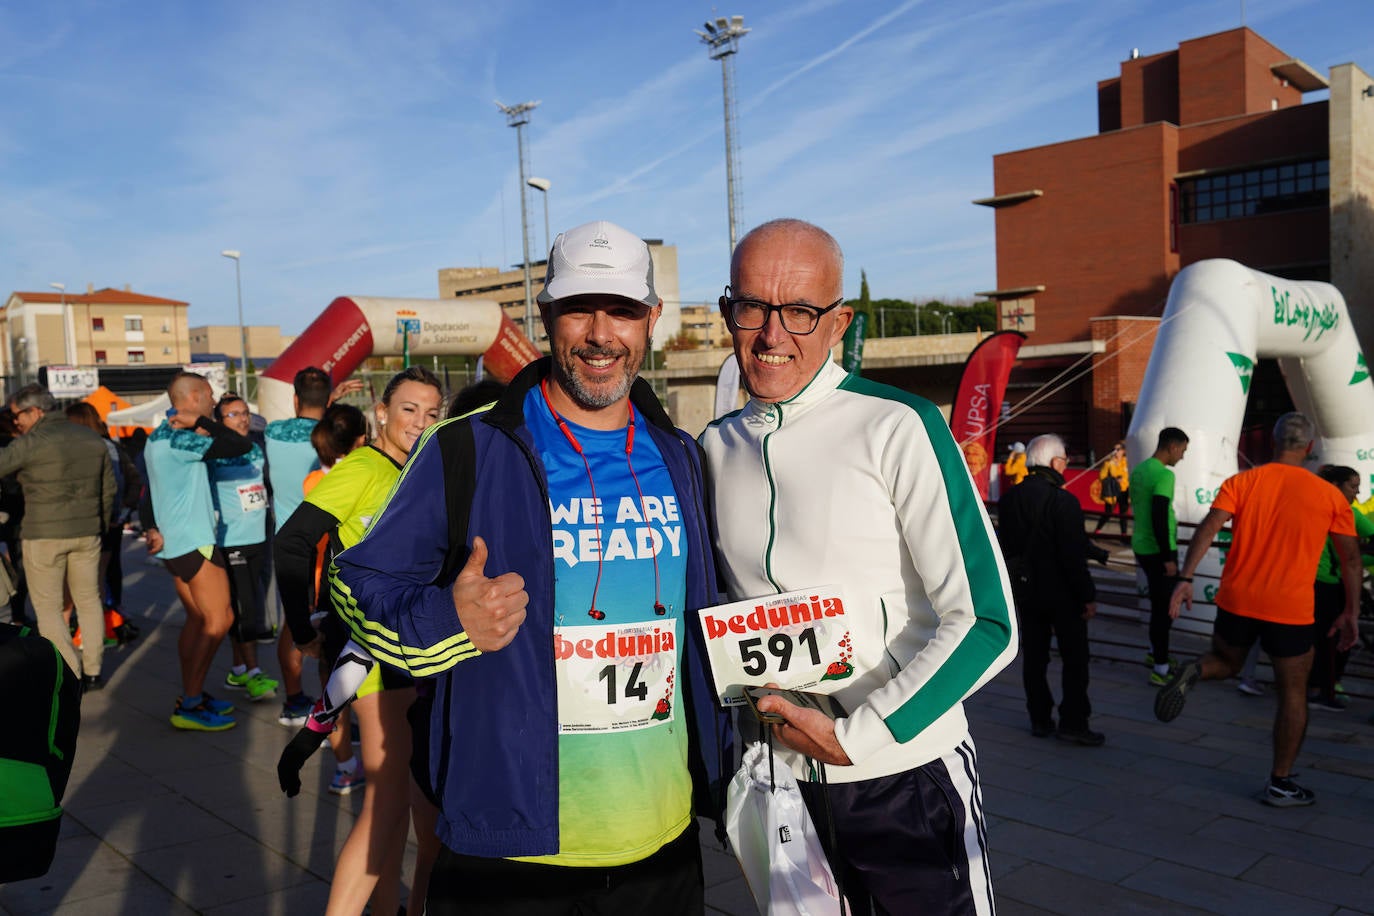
[(775, 841)]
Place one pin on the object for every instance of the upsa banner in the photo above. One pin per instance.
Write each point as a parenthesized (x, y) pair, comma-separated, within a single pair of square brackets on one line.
[(799, 640), (978, 402)]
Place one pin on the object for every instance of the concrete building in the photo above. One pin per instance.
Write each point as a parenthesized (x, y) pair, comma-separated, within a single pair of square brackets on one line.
[(265, 341), (705, 325), (105, 327), (1205, 151), (508, 288)]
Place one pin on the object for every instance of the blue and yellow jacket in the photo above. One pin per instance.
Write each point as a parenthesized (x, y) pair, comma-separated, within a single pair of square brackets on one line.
[(493, 728)]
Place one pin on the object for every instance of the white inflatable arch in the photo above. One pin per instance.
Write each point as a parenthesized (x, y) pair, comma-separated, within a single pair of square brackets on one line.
[(1221, 317)]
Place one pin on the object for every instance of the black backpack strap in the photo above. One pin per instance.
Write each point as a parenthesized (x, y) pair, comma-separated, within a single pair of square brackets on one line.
[(459, 450)]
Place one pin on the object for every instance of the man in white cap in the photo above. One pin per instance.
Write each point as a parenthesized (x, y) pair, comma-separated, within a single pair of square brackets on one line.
[(537, 564)]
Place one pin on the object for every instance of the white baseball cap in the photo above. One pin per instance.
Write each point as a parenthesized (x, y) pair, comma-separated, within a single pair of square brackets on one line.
[(599, 258)]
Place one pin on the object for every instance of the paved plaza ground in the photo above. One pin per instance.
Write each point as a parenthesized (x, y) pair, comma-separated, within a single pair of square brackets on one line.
[(1163, 819)]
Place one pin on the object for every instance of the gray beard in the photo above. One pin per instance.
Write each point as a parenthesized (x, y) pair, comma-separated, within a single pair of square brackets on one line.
[(570, 382)]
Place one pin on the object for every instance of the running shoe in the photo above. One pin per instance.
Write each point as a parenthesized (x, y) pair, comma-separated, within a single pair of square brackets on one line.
[(260, 687), (1283, 792), (1083, 736), (1250, 687), (218, 707), (1169, 701), (234, 681), (200, 719), (345, 782), (296, 710), (1159, 680), (1150, 660), (1334, 703)]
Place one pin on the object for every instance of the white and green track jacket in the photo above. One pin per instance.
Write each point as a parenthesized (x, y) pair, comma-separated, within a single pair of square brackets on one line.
[(862, 485)]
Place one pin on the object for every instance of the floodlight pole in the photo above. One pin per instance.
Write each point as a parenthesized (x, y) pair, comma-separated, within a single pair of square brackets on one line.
[(518, 116), (722, 42)]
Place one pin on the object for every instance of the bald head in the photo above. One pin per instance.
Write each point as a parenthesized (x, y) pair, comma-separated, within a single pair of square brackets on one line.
[(817, 245), (786, 262), (190, 393)]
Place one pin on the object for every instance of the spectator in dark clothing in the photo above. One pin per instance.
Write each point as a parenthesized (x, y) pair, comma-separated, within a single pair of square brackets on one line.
[(1047, 549), (11, 514)]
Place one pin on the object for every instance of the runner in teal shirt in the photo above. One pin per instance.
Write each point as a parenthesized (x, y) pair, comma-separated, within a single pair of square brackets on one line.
[(241, 532)]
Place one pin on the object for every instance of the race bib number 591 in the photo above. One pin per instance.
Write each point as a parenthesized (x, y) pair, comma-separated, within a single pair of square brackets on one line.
[(799, 640)]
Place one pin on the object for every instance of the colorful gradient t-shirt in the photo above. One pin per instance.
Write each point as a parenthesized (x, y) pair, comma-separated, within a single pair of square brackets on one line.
[(624, 789)]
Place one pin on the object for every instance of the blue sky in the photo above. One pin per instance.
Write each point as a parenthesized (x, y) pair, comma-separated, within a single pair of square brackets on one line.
[(353, 147)]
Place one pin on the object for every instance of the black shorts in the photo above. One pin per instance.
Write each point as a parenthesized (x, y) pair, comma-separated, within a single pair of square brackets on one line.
[(669, 883), (246, 591), (1278, 640), (187, 565)]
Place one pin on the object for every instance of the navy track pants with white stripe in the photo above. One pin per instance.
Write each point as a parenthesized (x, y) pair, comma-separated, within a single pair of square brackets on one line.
[(914, 842)]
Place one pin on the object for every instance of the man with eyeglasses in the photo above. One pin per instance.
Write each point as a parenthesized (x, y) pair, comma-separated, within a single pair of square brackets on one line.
[(831, 486), (1041, 528)]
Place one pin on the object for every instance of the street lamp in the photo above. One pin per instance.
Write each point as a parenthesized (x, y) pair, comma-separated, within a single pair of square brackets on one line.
[(243, 332), (23, 344), (543, 185), (68, 350), (722, 42), (518, 116)]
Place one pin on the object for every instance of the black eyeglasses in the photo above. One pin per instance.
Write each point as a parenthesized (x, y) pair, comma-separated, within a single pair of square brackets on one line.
[(751, 314)]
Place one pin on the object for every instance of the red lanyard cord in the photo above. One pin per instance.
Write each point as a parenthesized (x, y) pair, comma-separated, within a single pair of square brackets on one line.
[(593, 612)]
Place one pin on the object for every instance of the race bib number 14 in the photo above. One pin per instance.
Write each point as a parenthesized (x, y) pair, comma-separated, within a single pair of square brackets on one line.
[(616, 677), (799, 640)]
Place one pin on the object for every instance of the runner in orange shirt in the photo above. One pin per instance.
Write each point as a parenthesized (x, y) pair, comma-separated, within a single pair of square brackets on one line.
[(1281, 514)]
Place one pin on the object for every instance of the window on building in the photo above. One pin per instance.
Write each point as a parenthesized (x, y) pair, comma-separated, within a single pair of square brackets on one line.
[(136, 356), (1256, 191), (133, 324), (97, 324), (100, 359)]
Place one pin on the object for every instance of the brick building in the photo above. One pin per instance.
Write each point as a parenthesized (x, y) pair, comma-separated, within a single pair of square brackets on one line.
[(1206, 151)]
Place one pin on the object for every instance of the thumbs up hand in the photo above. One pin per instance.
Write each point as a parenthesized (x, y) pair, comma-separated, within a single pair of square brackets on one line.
[(489, 610)]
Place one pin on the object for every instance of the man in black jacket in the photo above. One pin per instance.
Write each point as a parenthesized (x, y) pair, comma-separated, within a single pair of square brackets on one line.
[(1046, 548)]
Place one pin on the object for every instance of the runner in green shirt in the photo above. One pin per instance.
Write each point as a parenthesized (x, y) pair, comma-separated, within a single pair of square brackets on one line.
[(1328, 661), (1155, 540)]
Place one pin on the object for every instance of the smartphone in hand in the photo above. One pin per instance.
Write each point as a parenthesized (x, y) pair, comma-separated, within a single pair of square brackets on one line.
[(821, 702)]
